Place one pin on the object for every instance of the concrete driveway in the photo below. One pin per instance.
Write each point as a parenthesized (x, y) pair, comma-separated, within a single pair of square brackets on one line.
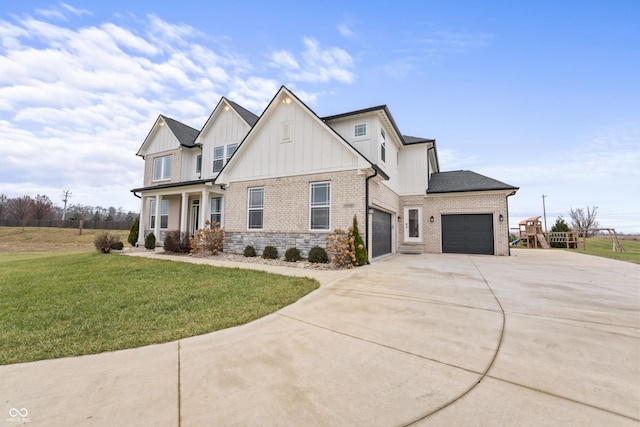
[(538, 338)]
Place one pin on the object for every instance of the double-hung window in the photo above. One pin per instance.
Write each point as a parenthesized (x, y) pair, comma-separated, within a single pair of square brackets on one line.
[(199, 163), (231, 148), (216, 210), (256, 208), (320, 206), (218, 158), (162, 168), (164, 214)]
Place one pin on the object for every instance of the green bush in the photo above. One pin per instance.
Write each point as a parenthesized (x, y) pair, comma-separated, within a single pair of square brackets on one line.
[(150, 241), (292, 255), (270, 252), (177, 242), (133, 232), (318, 255), (117, 246), (358, 243), (249, 251), (105, 241)]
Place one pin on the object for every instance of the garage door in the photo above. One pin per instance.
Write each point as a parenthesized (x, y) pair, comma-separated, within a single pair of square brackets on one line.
[(381, 233), (467, 234)]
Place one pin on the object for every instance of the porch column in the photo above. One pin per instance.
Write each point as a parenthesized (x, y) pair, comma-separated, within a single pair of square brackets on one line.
[(184, 213), (156, 226), (205, 207), (142, 221)]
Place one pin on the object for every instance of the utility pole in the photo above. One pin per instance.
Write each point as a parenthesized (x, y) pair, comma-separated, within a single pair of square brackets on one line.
[(66, 194), (544, 210)]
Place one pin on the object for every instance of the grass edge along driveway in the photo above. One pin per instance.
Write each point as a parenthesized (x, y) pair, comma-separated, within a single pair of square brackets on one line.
[(71, 304)]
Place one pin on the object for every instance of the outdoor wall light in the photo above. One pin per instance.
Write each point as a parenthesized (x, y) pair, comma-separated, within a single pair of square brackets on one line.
[(370, 210), (399, 219), (432, 219), (501, 218)]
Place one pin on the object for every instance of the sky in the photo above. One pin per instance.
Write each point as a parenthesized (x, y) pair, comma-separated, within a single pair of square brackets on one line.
[(541, 95)]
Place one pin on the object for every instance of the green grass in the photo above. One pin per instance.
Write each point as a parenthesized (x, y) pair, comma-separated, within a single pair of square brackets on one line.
[(67, 304), (603, 247)]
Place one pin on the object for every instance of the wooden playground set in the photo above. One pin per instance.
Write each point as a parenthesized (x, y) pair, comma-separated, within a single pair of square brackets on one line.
[(532, 236)]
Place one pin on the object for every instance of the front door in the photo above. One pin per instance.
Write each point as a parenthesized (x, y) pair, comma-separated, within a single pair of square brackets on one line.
[(195, 216), (413, 224)]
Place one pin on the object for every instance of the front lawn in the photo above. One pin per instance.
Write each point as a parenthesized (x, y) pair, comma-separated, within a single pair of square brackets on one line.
[(57, 305), (603, 247)]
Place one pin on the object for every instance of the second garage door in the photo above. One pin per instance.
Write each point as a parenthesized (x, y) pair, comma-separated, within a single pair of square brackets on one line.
[(468, 234), (381, 233)]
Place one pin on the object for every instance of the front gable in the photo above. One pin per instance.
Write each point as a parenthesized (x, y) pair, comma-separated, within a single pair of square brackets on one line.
[(159, 139), (289, 139)]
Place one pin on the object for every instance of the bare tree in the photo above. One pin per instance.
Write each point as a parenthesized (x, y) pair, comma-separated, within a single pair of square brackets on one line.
[(22, 208), (42, 207), (581, 220), (4, 204)]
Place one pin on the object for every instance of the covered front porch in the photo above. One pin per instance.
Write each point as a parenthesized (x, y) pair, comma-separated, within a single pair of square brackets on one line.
[(184, 209)]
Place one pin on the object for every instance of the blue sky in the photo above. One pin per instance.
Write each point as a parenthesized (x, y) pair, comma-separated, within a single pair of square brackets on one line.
[(542, 95)]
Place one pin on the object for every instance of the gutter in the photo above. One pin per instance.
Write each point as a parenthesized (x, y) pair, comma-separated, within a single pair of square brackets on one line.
[(134, 193)]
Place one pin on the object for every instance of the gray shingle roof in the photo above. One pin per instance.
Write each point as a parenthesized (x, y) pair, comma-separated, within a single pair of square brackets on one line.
[(459, 181), (408, 140), (246, 115), (186, 135)]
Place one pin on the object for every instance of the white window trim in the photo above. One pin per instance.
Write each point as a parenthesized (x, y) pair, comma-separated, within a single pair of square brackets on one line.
[(383, 147), (249, 208), (164, 171), (311, 206), (199, 163), (221, 212), (355, 128), (406, 224), (218, 158), (152, 214)]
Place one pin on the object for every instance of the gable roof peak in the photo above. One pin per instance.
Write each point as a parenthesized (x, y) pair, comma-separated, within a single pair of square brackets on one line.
[(186, 135)]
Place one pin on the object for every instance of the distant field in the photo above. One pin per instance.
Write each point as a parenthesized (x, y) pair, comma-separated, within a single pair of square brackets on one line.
[(43, 239), (602, 246)]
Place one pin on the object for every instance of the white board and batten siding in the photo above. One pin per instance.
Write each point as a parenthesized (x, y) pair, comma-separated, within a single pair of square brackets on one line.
[(160, 140), (413, 169), (225, 127), (291, 142)]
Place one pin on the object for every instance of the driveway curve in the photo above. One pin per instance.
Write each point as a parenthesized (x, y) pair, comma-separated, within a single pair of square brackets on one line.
[(541, 337)]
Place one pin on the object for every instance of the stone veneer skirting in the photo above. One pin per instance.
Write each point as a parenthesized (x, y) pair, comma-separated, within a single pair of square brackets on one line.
[(235, 242)]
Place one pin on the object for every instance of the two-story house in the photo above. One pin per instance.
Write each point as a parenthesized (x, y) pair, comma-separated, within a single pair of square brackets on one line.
[(289, 178)]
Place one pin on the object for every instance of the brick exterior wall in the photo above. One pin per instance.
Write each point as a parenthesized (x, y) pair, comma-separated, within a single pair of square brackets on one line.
[(383, 198), (466, 203), (176, 163), (286, 211)]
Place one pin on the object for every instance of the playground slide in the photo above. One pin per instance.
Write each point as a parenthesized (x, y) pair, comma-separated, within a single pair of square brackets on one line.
[(515, 242)]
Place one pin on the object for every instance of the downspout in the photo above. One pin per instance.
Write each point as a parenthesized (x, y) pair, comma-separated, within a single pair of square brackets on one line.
[(366, 206), (134, 193), (507, 202)]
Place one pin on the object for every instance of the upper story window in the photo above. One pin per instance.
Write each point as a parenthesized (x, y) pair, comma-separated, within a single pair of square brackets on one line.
[(320, 206), (360, 130), (162, 168), (199, 163), (222, 154), (383, 147), (256, 208)]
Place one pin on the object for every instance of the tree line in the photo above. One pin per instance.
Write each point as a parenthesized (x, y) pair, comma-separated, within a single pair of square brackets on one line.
[(40, 207)]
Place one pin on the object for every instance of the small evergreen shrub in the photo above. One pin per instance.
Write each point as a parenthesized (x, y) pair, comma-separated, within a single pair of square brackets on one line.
[(318, 255), (104, 242), (177, 242), (358, 245), (150, 241), (270, 252), (117, 246), (250, 251), (133, 232), (292, 255)]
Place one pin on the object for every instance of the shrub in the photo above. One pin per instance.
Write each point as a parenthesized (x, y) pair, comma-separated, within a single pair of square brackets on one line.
[(133, 232), (104, 242), (208, 239), (292, 255), (340, 246), (249, 251), (178, 242), (270, 252), (117, 246), (318, 255), (150, 241), (358, 243)]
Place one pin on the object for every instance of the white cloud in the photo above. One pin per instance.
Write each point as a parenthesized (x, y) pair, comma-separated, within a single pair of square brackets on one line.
[(76, 101), (345, 30)]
